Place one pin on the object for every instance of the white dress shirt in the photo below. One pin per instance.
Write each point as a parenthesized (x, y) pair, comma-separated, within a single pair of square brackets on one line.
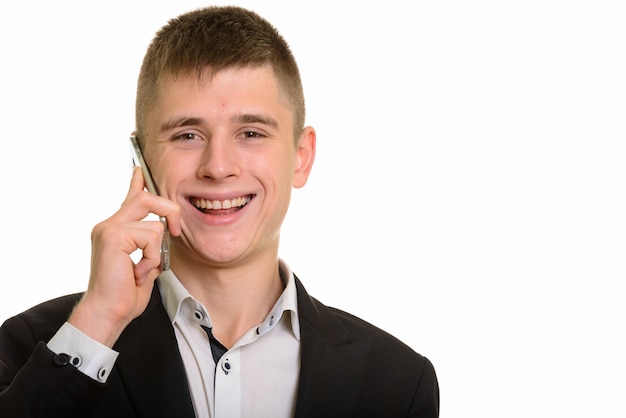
[(256, 377)]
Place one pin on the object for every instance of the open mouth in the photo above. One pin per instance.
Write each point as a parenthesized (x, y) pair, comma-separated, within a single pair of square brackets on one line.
[(220, 207)]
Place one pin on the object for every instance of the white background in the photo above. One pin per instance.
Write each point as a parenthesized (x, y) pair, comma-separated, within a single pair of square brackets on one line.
[(468, 194)]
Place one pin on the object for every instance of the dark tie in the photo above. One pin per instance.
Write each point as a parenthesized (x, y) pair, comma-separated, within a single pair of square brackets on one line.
[(217, 349)]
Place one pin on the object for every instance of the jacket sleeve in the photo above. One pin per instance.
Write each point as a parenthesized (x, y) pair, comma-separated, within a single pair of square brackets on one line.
[(426, 400), (36, 382)]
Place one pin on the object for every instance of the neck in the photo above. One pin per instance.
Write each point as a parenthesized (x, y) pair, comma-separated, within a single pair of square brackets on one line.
[(238, 298)]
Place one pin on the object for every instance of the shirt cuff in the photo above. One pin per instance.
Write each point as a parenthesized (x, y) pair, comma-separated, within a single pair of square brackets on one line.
[(89, 356)]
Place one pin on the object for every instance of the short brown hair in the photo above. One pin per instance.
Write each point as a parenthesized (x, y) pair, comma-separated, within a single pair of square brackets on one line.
[(213, 39)]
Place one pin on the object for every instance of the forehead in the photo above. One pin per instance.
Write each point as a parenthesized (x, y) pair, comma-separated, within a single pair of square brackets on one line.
[(219, 94)]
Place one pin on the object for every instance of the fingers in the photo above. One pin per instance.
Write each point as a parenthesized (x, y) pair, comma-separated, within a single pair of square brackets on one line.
[(139, 204), (127, 230), (117, 241), (137, 182), (147, 239)]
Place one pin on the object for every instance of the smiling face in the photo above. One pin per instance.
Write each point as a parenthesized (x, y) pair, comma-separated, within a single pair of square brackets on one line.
[(223, 149)]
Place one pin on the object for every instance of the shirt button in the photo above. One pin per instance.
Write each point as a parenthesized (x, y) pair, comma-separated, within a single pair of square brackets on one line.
[(226, 366), (76, 361)]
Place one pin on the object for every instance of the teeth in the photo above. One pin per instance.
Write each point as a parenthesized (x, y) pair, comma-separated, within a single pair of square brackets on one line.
[(223, 204)]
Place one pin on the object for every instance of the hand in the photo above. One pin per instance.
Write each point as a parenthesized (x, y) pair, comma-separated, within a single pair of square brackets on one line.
[(119, 289)]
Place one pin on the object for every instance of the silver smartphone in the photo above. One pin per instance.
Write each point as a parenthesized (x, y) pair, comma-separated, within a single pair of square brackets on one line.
[(138, 161)]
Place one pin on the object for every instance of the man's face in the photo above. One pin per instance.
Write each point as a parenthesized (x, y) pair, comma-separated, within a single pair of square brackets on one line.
[(223, 149)]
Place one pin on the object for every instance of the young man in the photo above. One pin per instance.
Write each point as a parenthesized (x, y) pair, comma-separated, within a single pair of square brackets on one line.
[(229, 330)]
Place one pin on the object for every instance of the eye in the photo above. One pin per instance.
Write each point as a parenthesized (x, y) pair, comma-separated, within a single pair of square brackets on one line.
[(187, 136), (251, 135)]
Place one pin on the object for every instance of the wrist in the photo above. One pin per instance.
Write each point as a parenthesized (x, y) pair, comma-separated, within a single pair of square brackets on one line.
[(100, 326)]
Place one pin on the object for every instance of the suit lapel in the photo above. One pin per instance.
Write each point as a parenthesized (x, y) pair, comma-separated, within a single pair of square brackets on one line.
[(150, 365), (152, 373), (332, 359)]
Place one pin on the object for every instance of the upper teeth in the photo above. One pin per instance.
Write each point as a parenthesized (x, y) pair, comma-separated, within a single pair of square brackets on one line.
[(220, 204)]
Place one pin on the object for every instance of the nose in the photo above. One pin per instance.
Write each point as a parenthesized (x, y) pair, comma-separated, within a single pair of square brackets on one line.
[(219, 159)]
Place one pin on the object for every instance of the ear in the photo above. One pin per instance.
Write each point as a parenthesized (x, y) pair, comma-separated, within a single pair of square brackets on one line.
[(305, 155)]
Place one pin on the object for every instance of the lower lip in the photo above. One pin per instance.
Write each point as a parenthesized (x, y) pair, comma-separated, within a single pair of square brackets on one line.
[(220, 212)]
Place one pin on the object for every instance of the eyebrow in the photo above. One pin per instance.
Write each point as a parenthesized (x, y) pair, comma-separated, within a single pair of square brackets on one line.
[(238, 118), (180, 122), (255, 118)]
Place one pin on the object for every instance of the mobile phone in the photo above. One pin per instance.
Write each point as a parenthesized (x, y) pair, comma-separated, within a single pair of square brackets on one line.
[(138, 161)]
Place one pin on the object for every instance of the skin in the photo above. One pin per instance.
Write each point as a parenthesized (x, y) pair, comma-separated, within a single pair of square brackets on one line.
[(217, 139)]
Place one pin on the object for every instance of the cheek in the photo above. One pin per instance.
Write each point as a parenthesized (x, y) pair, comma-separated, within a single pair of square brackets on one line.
[(283, 173), (275, 177), (169, 173), (275, 164)]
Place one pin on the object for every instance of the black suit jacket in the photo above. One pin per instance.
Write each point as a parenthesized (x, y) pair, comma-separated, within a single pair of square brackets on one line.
[(349, 368)]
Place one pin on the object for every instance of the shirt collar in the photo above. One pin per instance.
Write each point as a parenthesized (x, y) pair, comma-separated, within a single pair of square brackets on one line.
[(178, 301)]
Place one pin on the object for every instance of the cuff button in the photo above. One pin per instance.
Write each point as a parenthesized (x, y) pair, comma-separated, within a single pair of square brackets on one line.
[(61, 359), (76, 361), (102, 374)]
